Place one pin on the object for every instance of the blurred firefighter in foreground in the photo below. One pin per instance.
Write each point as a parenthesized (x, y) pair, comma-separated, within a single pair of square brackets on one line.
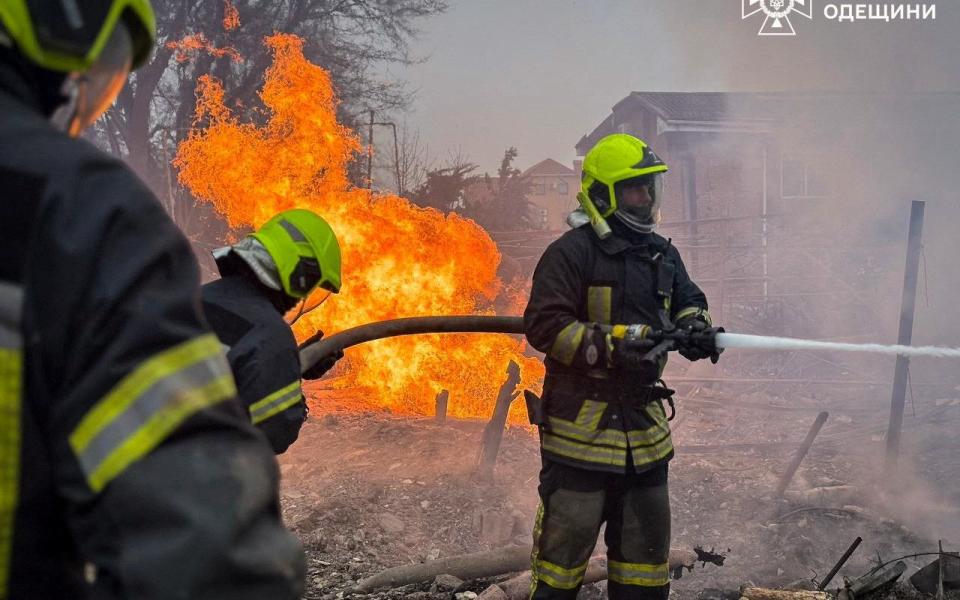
[(289, 266), (600, 292), (127, 467)]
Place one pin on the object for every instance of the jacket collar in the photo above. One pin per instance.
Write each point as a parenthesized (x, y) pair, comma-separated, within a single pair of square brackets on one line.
[(621, 239), (617, 243)]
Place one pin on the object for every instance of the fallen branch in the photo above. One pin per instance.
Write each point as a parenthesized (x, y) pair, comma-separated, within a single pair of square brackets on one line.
[(466, 566), (485, 564)]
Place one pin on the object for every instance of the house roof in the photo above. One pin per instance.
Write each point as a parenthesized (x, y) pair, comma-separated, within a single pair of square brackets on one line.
[(548, 167), (740, 111), (746, 108), (709, 106)]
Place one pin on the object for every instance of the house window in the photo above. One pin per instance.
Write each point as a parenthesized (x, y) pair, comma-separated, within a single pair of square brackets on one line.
[(539, 189), (542, 218), (800, 178), (562, 188)]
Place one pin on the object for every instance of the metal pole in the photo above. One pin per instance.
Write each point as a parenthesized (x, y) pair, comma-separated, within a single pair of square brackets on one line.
[(690, 191), (910, 276), (763, 236), (836, 568), (801, 453), (396, 158), (370, 153)]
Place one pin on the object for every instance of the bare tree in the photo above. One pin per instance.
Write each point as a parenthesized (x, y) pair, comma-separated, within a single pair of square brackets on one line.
[(350, 38), (414, 161)]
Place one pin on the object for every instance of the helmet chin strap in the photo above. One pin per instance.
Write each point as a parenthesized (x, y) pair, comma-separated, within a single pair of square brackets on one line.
[(64, 116), (635, 224)]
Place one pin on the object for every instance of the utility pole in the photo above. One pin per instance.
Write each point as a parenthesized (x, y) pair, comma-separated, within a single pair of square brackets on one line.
[(901, 373), (370, 152), (396, 152)]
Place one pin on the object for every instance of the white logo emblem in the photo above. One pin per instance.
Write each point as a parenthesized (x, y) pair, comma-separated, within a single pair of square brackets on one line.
[(777, 21)]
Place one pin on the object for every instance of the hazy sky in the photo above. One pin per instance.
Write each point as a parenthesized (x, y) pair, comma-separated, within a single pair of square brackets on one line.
[(538, 74)]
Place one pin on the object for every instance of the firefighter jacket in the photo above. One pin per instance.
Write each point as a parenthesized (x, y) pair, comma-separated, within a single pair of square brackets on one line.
[(263, 356), (127, 467), (583, 289)]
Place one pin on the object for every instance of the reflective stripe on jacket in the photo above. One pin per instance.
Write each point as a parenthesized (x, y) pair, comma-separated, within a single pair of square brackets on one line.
[(263, 356), (594, 418), (127, 468)]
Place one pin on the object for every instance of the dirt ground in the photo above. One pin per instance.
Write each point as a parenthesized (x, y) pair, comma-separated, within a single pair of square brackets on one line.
[(368, 490)]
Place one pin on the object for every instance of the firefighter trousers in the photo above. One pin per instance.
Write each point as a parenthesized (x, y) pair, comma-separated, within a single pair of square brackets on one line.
[(574, 503)]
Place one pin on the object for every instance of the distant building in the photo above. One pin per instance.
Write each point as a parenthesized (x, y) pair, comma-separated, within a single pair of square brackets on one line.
[(553, 191)]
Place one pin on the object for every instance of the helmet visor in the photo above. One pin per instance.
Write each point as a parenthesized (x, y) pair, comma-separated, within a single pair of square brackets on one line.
[(638, 199), (313, 301), (98, 87)]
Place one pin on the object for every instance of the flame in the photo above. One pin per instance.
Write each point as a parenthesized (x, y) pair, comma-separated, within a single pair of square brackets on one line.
[(231, 16), (399, 260), (198, 42)]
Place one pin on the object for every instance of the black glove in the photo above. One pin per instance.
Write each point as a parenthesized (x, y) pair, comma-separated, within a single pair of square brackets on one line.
[(629, 354), (320, 369), (326, 363), (703, 340)]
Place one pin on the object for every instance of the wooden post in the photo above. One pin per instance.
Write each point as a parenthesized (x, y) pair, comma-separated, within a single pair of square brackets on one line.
[(493, 432), (801, 453), (441, 414), (901, 372)]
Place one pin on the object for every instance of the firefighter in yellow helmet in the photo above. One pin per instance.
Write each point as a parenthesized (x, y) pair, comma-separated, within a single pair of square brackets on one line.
[(127, 467), (605, 438), (290, 265)]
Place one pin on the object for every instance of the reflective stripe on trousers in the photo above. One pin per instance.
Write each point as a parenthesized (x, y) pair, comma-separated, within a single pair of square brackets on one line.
[(574, 504), (639, 574), (11, 374), (149, 404)]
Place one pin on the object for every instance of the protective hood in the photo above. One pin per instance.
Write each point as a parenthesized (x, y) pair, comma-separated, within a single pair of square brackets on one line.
[(255, 255)]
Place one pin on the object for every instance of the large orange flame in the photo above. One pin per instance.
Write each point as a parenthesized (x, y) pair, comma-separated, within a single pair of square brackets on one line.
[(399, 260)]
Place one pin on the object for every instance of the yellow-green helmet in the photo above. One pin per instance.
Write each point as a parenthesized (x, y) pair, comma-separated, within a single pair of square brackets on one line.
[(69, 35), (305, 251), (615, 161)]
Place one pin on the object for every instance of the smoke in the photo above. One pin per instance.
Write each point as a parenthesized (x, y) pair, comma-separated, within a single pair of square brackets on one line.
[(877, 105)]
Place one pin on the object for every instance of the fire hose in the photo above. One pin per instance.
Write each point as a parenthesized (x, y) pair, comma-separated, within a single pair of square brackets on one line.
[(662, 341), (316, 352)]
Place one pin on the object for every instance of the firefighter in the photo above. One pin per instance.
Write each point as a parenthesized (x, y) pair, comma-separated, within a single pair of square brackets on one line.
[(290, 265), (127, 467), (605, 441)]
